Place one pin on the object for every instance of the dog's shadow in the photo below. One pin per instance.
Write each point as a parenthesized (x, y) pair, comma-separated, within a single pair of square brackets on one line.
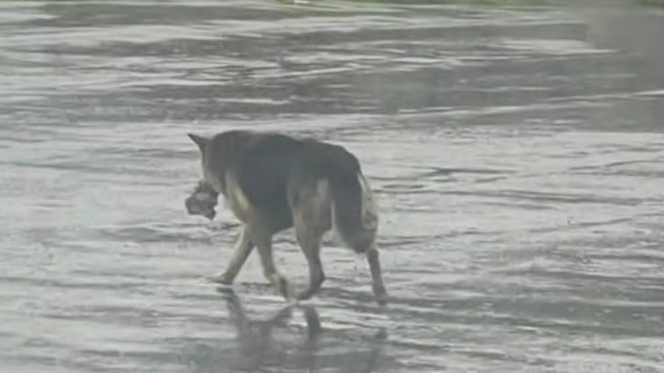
[(260, 349)]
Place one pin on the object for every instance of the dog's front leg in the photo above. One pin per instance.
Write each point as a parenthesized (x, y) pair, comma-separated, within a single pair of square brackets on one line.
[(243, 247)]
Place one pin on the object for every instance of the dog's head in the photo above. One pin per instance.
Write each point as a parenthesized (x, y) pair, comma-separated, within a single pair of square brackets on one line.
[(202, 201)]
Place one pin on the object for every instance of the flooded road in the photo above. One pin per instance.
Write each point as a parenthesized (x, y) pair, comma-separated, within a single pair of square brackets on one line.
[(518, 157)]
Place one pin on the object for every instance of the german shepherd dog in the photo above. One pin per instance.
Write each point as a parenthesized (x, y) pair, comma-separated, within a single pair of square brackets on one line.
[(273, 182)]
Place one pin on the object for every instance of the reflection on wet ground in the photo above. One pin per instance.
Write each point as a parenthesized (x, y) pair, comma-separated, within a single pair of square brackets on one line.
[(516, 152), (260, 344)]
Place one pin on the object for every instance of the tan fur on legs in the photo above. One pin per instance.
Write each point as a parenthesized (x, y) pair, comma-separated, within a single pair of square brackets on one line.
[(263, 243), (243, 247), (376, 277), (312, 218), (310, 244)]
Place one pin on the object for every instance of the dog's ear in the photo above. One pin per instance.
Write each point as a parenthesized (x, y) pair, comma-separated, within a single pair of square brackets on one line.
[(199, 140)]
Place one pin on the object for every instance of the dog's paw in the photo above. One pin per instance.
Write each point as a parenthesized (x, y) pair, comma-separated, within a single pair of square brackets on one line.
[(380, 294), (283, 287), (220, 279), (381, 299), (227, 293)]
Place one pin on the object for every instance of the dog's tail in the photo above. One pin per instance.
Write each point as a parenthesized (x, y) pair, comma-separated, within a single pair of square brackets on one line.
[(353, 211)]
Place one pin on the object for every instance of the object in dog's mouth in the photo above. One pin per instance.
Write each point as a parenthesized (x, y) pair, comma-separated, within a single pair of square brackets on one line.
[(202, 201)]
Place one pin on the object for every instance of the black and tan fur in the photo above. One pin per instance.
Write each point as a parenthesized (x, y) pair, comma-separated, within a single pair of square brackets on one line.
[(273, 182)]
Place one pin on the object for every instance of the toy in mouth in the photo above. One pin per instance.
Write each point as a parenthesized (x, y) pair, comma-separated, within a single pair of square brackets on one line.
[(202, 201)]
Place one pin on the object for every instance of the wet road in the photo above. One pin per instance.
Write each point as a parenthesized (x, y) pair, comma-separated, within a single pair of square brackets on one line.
[(517, 155)]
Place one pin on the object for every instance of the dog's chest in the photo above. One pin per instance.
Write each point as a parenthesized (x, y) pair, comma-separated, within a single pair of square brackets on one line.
[(234, 198)]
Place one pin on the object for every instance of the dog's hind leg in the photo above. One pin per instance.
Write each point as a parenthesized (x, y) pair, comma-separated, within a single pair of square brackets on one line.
[(376, 277), (309, 241), (312, 218), (243, 247), (263, 241)]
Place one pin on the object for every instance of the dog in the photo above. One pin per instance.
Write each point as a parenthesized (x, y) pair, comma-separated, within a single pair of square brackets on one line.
[(273, 182)]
